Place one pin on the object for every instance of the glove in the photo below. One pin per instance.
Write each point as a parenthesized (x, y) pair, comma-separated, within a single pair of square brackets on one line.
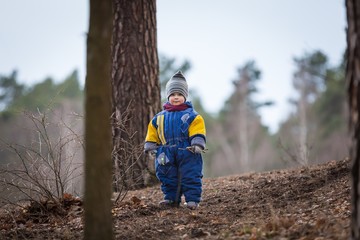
[(152, 152), (195, 149), (150, 147)]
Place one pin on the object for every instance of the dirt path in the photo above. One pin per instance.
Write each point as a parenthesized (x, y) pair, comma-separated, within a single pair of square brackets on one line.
[(312, 203)]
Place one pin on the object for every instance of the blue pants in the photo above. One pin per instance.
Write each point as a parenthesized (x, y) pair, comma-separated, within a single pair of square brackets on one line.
[(180, 173)]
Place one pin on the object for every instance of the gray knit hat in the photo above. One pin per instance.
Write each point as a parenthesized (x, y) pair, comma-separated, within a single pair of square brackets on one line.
[(177, 83)]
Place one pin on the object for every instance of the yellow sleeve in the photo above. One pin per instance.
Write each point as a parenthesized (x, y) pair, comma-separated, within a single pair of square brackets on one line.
[(197, 126), (152, 135)]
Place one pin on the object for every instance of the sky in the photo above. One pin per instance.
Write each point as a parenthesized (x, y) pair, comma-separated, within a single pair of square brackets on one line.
[(47, 38)]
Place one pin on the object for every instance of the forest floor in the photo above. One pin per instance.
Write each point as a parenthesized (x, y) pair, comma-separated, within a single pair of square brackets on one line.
[(299, 203)]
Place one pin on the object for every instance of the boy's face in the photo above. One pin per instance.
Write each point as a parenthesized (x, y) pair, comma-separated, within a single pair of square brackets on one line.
[(176, 99)]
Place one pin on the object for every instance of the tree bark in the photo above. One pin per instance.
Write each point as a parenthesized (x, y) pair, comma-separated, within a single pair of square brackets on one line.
[(136, 88), (98, 174), (352, 81)]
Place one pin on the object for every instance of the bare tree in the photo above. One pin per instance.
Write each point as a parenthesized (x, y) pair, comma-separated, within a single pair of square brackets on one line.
[(46, 168), (98, 218), (136, 88), (353, 81)]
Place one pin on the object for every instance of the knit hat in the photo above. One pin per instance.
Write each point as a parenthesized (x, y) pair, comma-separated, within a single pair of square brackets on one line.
[(177, 83)]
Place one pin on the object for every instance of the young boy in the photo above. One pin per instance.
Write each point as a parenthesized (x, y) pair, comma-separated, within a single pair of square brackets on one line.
[(178, 136)]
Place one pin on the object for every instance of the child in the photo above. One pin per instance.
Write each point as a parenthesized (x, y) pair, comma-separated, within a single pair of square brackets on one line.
[(177, 135)]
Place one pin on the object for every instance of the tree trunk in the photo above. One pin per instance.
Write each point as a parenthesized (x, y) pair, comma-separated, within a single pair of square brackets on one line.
[(302, 108), (98, 217), (136, 88), (353, 81), (243, 116)]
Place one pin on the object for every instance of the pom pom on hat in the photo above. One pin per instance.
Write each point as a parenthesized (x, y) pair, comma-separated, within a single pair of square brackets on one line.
[(177, 83)]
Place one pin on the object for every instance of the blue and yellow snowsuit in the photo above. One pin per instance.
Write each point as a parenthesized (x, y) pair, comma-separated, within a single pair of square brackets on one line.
[(179, 170)]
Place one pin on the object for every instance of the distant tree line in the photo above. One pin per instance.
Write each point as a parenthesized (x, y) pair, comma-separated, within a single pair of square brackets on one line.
[(15, 96), (237, 140)]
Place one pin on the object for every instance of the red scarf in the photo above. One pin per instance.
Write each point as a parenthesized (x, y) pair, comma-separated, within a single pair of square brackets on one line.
[(172, 108)]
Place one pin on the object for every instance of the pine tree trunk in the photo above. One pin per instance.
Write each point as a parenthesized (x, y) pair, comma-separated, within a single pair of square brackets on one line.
[(303, 106), (243, 116), (353, 81), (98, 217), (136, 88)]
